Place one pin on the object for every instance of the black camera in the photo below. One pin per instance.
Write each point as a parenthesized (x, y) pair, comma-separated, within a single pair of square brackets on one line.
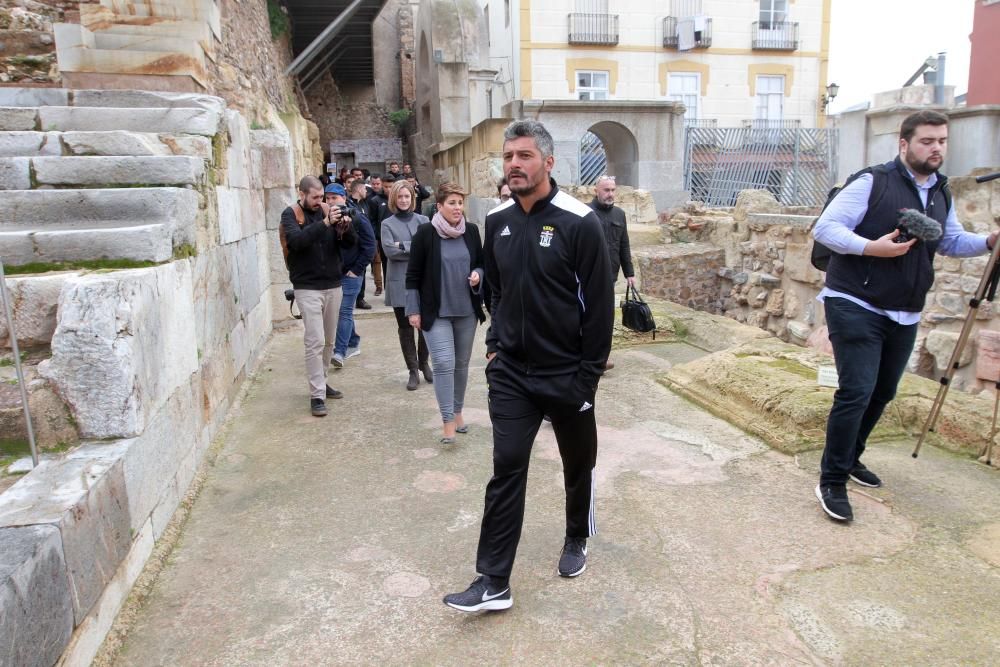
[(346, 212), (289, 295)]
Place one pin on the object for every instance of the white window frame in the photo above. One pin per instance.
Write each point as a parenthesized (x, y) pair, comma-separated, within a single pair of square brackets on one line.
[(592, 91), (770, 97), (679, 89), (772, 12)]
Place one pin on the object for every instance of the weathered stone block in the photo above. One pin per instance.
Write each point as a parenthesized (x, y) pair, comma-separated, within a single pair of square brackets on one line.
[(29, 144), (276, 200), (230, 213), (277, 161), (754, 201), (119, 170), (15, 173), (776, 303), (83, 495), (35, 600), (988, 358), (798, 331), (123, 344), (33, 97), (151, 243), (144, 99), (215, 302), (238, 153), (941, 345), (798, 265), (114, 143), (29, 209), (17, 118), (170, 121)]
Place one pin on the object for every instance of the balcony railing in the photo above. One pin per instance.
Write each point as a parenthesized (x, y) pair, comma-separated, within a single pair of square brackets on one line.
[(593, 29), (767, 124), (701, 122), (777, 36), (702, 38)]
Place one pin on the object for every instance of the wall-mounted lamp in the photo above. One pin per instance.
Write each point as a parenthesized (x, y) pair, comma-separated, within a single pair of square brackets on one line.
[(831, 92)]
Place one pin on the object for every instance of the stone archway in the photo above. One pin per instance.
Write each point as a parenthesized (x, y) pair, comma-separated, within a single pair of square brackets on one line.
[(621, 151)]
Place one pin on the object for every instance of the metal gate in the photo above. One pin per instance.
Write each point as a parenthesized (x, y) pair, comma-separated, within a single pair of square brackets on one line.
[(798, 166), (593, 159)]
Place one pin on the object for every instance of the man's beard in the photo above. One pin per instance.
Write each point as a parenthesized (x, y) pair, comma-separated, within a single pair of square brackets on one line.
[(924, 167), (530, 187)]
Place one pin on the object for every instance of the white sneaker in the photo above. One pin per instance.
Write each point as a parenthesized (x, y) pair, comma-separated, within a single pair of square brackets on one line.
[(338, 360), (353, 352)]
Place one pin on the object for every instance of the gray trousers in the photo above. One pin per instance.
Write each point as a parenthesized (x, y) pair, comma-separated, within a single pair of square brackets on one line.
[(320, 309), (450, 343)]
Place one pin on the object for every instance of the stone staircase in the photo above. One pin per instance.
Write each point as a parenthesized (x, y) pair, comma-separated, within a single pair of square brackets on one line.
[(74, 191)]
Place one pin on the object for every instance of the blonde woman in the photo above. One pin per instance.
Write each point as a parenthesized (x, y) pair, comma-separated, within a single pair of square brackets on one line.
[(397, 233), (443, 289)]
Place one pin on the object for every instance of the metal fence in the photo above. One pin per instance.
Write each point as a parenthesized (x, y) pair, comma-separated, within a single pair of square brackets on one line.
[(798, 166), (593, 159), (593, 28)]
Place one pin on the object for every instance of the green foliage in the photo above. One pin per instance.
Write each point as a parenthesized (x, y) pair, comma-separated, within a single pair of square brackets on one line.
[(280, 25), (399, 117), (83, 264), (185, 251), (680, 329)]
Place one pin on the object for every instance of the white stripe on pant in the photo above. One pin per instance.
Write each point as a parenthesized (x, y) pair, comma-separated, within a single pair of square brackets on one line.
[(320, 309)]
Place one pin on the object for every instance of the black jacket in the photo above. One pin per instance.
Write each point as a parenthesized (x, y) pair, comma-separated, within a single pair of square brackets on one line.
[(616, 234), (423, 272), (357, 257), (378, 210), (314, 250), (552, 304), (892, 283)]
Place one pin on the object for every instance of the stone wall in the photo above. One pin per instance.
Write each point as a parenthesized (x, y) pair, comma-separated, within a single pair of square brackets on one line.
[(350, 112), (149, 362), (27, 47), (768, 281)]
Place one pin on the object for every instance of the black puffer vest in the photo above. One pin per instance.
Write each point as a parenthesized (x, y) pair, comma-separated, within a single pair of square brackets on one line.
[(897, 283)]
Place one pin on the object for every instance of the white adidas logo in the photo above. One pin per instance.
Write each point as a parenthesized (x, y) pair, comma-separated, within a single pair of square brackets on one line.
[(505, 232)]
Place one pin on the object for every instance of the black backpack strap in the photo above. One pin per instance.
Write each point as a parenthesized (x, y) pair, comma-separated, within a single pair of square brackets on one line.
[(880, 184)]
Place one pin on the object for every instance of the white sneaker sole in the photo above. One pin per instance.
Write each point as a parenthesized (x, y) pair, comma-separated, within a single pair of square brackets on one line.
[(489, 605), (832, 515), (865, 484), (338, 363), (569, 575)]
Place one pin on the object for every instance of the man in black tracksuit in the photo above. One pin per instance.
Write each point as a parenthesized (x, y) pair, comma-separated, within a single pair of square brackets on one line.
[(552, 308)]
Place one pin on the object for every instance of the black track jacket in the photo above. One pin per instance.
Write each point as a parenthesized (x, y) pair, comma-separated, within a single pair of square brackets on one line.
[(552, 304)]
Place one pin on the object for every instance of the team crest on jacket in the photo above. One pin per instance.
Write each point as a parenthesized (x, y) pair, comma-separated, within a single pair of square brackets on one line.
[(545, 240)]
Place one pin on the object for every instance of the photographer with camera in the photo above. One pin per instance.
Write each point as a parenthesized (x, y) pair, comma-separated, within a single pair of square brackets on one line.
[(312, 235), (876, 286)]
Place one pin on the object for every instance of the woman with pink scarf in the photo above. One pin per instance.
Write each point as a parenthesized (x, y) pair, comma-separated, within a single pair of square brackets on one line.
[(444, 300)]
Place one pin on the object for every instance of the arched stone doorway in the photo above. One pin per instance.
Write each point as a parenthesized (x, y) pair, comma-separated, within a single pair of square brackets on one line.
[(621, 151)]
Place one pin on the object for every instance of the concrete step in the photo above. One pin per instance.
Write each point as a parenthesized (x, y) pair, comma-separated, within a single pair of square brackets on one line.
[(197, 10), (112, 142), (146, 99), (98, 207), (16, 172), (153, 243), (184, 120)]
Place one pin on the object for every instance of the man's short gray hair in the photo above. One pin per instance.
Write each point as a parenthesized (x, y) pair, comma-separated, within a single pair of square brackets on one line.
[(533, 129)]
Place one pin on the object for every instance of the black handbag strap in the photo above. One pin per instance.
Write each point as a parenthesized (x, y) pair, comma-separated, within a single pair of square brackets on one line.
[(635, 294)]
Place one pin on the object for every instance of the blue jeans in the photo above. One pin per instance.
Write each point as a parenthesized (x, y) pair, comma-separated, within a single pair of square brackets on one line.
[(347, 334), (871, 352)]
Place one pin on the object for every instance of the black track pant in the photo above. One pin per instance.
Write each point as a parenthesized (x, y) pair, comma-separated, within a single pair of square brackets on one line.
[(517, 404)]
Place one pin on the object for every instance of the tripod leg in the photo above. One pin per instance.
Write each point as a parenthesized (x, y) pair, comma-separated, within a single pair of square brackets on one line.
[(987, 288), (993, 429)]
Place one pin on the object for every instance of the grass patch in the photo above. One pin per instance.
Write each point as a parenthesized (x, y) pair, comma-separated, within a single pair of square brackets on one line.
[(185, 251), (79, 265), (793, 367), (681, 330), (9, 361), (14, 448), (276, 16)]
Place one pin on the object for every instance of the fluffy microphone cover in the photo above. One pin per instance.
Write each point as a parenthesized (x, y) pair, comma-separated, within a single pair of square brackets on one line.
[(914, 224)]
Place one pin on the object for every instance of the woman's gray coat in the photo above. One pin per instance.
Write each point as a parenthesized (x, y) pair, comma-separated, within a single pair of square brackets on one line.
[(395, 231)]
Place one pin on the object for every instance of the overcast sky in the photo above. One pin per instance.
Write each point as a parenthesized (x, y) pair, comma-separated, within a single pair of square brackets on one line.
[(876, 45)]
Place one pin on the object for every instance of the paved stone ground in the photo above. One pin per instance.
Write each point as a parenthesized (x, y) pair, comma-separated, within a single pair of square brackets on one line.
[(331, 541)]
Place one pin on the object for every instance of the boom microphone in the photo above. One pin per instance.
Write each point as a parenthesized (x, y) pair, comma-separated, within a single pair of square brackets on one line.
[(913, 224)]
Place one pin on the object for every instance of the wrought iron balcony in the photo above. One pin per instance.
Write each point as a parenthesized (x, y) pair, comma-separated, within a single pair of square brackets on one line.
[(776, 36), (702, 38), (767, 124), (701, 122), (593, 29)]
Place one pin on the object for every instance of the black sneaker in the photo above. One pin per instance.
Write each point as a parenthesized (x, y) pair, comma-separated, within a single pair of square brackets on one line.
[(574, 557), (333, 393), (363, 305), (318, 407), (865, 477), (481, 595), (833, 500)]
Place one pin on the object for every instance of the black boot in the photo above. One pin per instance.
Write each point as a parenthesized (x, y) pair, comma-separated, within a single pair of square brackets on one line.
[(409, 349), (422, 355)]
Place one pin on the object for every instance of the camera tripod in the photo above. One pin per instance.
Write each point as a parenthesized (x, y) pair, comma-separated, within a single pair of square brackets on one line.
[(986, 291)]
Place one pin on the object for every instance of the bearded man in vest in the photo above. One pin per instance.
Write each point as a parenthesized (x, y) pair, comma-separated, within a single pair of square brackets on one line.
[(875, 290)]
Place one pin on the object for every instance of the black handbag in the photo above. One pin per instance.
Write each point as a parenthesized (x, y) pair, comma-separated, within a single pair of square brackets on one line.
[(636, 314)]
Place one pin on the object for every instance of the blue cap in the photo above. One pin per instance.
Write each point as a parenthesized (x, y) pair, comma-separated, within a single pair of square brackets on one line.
[(337, 189)]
